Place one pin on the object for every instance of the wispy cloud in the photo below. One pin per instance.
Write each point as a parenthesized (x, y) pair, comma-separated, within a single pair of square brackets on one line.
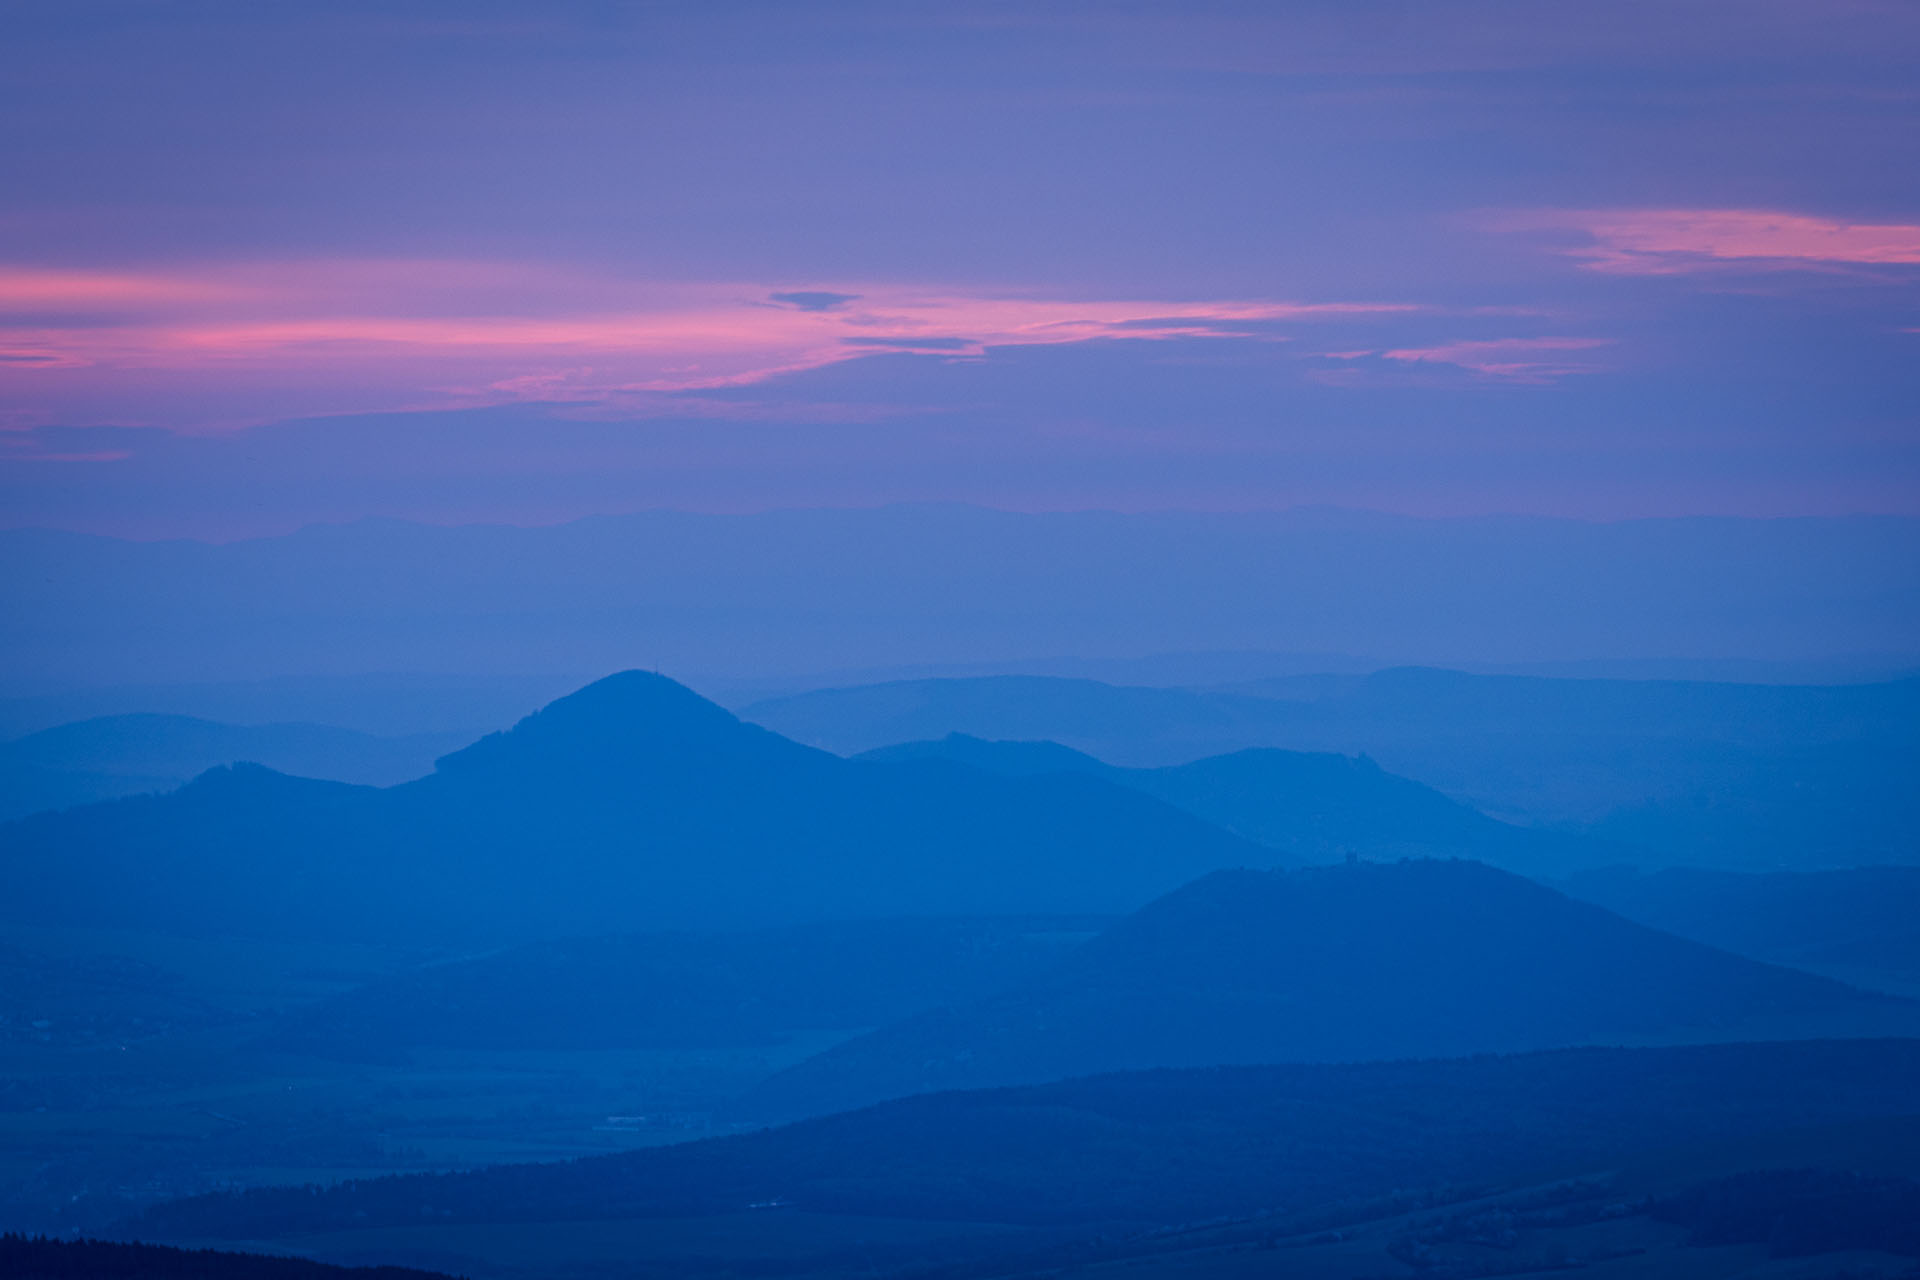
[(814, 299), (409, 334), (1674, 241), (54, 290), (1536, 361)]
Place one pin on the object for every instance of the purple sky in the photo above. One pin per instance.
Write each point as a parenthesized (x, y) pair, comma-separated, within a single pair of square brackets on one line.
[(262, 265)]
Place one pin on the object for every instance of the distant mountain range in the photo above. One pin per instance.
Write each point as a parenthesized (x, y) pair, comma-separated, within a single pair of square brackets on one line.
[(1820, 806), (1341, 963), (631, 804), (113, 756), (634, 804), (1317, 806), (387, 705), (788, 593), (1670, 773), (1742, 776)]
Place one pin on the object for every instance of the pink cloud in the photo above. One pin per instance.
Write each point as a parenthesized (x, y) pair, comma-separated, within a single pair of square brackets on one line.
[(45, 290), (25, 350), (1672, 241), (343, 337)]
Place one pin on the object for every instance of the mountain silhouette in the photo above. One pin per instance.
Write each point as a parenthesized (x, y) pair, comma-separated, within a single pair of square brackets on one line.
[(112, 756), (1317, 806), (1343, 963), (630, 804), (1124, 723), (1692, 772), (627, 723)]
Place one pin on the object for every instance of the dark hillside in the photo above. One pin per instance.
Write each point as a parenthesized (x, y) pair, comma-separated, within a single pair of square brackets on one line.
[(1862, 921), (676, 990), (1359, 961), (1146, 1147), (38, 1258)]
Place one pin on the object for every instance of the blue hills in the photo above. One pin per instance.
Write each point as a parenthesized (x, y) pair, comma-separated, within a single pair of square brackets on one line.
[(635, 803), (107, 757), (632, 803), (1319, 806)]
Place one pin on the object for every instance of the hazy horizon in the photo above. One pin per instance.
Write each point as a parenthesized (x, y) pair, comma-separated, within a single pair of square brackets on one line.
[(792, 594)]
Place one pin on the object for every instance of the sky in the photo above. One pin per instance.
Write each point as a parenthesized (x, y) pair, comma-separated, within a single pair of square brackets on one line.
[(269, 265)]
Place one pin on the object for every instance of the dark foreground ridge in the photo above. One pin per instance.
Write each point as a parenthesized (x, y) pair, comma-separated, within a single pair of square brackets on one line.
[(1144, 1147), (38, 1258)]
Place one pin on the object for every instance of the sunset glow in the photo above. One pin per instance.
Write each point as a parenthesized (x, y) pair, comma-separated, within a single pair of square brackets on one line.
[(1226, 256)]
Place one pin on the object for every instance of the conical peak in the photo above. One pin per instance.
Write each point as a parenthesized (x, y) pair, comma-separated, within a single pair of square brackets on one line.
[(633, 714), (630, 700)]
